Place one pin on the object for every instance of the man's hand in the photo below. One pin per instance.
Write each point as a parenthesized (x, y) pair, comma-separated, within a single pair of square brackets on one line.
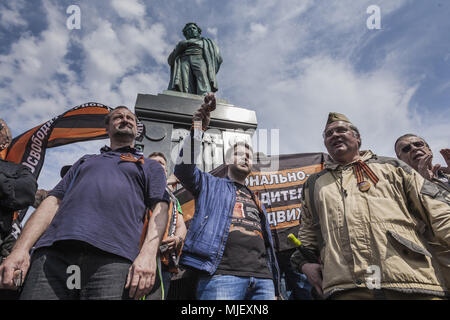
[(426, 168), (204, 112), (313, 272), (141, 276), (142, 273), (172, 181), (446, 154), (172, 242), (14, 269)]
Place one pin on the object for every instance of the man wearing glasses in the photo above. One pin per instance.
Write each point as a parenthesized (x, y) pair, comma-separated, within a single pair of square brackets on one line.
[(365, 224), (416, 152)]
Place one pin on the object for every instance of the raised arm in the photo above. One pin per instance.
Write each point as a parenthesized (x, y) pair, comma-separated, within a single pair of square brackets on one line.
[(185, 169)]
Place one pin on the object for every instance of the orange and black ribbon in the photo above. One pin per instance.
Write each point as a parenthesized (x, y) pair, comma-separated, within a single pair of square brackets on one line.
[(359, 168), (130, 158)]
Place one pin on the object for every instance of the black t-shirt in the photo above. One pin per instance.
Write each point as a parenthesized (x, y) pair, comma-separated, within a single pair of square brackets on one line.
[(245, 251)]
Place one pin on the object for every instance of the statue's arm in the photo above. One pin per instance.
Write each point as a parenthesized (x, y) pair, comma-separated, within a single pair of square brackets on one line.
[(179, 49)]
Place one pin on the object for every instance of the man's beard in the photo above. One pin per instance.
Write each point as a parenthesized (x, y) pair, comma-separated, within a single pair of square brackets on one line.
[(239, 172), (124, 135)]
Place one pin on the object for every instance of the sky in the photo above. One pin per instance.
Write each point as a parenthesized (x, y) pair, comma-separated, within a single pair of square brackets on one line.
[(292, 61)]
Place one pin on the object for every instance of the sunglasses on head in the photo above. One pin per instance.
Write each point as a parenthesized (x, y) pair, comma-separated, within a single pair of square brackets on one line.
[(417, 144)]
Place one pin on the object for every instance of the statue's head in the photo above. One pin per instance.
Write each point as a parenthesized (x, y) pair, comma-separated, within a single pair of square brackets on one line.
[(192, 30)]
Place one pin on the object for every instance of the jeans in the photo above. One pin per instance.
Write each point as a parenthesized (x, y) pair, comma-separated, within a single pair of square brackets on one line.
[(226, 287), (72, 270)]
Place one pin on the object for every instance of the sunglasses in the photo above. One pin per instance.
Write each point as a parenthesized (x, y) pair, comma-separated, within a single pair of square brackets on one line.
[(417, 144)]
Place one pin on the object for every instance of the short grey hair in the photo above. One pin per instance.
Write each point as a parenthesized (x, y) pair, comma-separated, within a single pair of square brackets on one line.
[(408, 135)]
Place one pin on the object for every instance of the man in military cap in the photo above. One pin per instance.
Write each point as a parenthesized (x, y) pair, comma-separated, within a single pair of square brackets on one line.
[(365, 224)]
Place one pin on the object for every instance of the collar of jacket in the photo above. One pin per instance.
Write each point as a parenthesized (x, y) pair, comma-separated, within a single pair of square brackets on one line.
[(253, 194), (365, 155), (122, 150)]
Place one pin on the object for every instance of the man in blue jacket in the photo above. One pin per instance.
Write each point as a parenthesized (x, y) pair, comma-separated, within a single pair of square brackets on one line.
[(229, 241)]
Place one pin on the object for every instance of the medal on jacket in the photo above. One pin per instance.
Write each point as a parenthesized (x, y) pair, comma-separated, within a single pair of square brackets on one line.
[(359, 168), (364, 186)]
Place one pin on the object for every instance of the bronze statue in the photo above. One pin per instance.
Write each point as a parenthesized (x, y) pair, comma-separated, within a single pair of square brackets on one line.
[(194, 63)]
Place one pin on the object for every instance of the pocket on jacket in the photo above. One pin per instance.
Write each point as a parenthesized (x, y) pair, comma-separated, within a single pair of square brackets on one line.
[(201, 241), (406, 247), (200, 228), (406, 260)]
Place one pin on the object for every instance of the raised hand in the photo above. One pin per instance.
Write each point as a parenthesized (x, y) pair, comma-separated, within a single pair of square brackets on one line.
[(203, 113), (446, 154)]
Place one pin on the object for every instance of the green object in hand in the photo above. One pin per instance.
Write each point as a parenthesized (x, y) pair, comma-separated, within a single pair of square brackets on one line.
[(294, 240)]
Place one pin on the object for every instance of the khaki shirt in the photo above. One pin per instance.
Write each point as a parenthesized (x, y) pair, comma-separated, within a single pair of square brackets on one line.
[(377, 237)]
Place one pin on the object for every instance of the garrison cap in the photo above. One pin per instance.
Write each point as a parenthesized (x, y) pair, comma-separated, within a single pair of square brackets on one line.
[(334, 116)]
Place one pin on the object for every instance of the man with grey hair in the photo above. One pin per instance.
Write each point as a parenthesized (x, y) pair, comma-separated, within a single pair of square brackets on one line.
[(416, 152), (365, 223)]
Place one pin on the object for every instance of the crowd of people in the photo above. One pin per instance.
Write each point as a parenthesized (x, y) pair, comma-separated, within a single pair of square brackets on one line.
[(372, 227)]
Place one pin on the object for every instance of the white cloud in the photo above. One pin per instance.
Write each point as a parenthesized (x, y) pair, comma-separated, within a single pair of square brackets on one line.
[(212, 31), (129, 9), (296, 73), (29, 71), (140, 83), (10, 14), (375, 102), (38, 82), (257, 31)]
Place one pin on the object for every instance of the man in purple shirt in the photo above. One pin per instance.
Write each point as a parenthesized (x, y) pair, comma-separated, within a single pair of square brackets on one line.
[(86, 233)]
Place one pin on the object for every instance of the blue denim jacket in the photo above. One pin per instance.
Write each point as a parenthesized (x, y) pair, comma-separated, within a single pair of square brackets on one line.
[(208, 232)]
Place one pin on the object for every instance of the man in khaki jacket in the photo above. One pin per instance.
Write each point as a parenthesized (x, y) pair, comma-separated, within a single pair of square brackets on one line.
[(365, 224), (416, 152)]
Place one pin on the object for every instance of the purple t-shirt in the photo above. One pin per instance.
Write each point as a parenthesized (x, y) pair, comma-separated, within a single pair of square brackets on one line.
[(105, 203)]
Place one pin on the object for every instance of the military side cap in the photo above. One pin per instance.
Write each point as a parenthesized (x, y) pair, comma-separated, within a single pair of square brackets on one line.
[(334, 116)]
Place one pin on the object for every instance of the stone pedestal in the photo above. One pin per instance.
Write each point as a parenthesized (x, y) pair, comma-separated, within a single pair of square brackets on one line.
[(167, 118)]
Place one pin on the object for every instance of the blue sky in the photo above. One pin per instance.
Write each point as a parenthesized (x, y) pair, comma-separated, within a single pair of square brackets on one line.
[(291, 61)]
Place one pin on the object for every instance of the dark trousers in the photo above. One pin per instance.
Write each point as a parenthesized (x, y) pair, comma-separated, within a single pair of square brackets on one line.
[(72, 270), (296, 285), (161, 286)]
